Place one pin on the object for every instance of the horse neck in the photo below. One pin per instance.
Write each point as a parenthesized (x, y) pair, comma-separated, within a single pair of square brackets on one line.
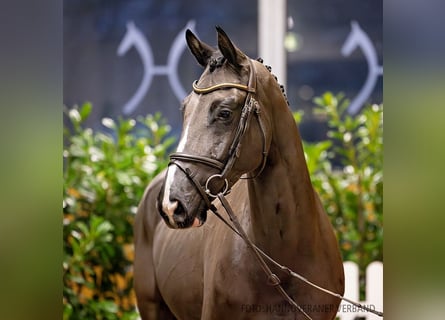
[(282, 200)]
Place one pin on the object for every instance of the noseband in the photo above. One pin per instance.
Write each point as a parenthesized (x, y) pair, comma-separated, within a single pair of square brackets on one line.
[(251, 107)]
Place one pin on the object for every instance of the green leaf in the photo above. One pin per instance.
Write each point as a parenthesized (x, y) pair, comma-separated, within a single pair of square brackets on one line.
[(298, 116), (77, 279), (123, 178), (329, 99), (85, 110), (83, 227), (67, 311), (130, 316), (319, 102), (104, 228), (108, 306)]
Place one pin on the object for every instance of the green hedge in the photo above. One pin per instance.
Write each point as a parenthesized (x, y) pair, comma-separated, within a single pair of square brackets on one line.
[(106, 172), (105, 175)]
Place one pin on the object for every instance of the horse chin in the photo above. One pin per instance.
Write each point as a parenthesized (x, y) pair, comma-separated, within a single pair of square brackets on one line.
[(190, 222), (200, 218)]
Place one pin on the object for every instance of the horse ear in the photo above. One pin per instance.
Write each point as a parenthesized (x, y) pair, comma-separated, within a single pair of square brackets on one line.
[(200, 50), (233, 55)]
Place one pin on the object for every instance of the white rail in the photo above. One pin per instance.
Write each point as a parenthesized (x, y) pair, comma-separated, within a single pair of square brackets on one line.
[(373, 292)]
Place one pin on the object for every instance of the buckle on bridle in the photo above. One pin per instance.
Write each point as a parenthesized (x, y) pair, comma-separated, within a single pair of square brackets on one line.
[(225, 189)]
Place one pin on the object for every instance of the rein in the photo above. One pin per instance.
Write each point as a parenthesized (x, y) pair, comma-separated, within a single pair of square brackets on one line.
[(251, 107), (273, 278)]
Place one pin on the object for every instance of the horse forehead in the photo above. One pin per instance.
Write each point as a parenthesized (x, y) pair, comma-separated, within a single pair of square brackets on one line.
[(195, 112), (196, 103), (223, 74)]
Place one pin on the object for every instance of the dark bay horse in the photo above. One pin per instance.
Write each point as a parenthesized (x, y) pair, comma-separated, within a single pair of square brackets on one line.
[(239, 136)]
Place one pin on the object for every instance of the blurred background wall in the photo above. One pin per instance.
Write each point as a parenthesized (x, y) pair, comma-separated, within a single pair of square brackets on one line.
[(314, 33)]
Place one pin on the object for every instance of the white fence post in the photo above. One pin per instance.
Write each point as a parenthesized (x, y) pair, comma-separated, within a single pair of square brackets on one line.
[(374, 291)]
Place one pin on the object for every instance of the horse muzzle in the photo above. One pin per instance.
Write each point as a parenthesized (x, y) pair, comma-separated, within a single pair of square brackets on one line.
[(177, 215)]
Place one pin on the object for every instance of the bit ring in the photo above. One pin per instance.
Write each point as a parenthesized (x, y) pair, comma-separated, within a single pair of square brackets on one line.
[(225, 189)]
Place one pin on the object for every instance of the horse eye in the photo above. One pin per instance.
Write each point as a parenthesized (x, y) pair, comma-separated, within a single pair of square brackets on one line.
[(224, 114)]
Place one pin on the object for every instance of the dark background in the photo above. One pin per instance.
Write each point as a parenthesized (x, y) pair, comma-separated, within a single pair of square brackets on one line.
[(94, 72)]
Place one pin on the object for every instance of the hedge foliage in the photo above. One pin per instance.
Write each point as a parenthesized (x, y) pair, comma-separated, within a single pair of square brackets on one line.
[(107, 170), (105, 175)]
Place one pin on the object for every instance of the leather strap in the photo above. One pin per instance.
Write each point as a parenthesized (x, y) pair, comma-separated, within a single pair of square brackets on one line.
[(191, 177), (224, 85), (200, 159), (258, 252)]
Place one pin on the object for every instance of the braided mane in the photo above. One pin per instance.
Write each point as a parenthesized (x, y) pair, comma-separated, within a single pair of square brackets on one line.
[(281, 86), (217, 62)]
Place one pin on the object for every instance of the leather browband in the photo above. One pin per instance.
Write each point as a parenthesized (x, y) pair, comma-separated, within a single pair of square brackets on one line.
[(224, 85)]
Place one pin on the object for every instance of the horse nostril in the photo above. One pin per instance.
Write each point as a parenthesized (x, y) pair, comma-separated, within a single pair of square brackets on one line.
[(179, 212), (169, 207), (174, 212)]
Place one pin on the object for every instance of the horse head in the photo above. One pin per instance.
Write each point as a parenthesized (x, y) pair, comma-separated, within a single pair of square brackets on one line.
[(220, 140)]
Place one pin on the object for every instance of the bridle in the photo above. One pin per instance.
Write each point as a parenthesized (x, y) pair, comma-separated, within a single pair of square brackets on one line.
[(251, 107)]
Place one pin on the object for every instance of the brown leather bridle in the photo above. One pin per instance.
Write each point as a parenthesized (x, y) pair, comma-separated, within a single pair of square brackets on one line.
[(251, 108)]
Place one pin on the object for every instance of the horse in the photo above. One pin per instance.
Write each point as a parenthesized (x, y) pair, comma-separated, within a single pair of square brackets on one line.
[(238, 139)]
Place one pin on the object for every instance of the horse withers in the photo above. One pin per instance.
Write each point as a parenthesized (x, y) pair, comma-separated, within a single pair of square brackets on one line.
[(239, 138)]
